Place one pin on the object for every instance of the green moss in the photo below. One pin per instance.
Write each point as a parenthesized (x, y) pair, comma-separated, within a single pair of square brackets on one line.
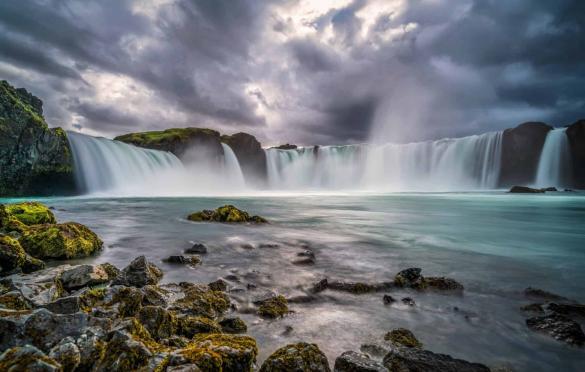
[(274, 307), (129, 301), (203, 301), (60, 241), (402, 337), (224, 353), (12, 256), (226, 214), (168, 135), (302, 357), (31, 213), (27, 358), (160, 323), (91, 298), (190, 326)]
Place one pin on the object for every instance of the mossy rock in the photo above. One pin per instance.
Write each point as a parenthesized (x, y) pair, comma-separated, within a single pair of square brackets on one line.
[(31, 213), (225, 214), (13, 257), (274, 307), (200, 300), (301, 356), (233, 325), (60, 241), (189, 326), (159, 322), (27, 358), (127, 299), (14, 301), (222, 353), (403, 337)]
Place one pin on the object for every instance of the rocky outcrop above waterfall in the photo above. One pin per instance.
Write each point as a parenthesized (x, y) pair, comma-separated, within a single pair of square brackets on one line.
[(185, 143), (34, 159), (521, 148), (576, 134), (251, 156)]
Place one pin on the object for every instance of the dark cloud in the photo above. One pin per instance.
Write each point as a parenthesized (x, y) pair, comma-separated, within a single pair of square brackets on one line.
[(287, 70)]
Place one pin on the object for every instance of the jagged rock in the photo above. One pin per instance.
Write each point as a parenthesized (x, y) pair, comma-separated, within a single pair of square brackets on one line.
[(184, 368), (34, 160), (182, 260), (296, 357), (233, 325), (126, 301), (42, 287), (576, 135), (197, 248), (287, 146), (82, 276), (535, 309), (218, 285), (65, 305), (153, 295), (525, 190), (139, 273), (14, 300), (111, 270), (274, 307), (350, 361), (413, 359), (226, 214), (306, 261), (67, 354), (14, 258), (536, 293), (376, 350), (559, 327), (27, 358), (402, 337), (410, 278), (251, 156), (189, 326), (159, 322), (123, 353), (60, 241), (92, 347)]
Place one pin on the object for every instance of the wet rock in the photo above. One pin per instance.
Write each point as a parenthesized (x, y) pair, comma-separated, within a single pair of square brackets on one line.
[(190, 326), (251, 156), (219, 352), (549, 189), (320, 286), (525, 190), (139, 273), (123, 353), (413, 359), (251, 286), (82, 276), (576, 136), (111, 270), (296, 357), (410, 278), (306, 253), (306, 261), (274, 307), (558, 327), (65, 305), (182, 260), (159, 322), (567, 309), (357, 287), (287, 330), (40, 288), (67, 354), (376, 350), (247, 246), (268, 245), (226, 214), (350, 361), (197, 248), (441, 283), (27, 358), (60, 241), (200, 300), (402, 337), (408, 301), (218, 285), (536, 293), (233, 325), (535, 309), (232, 278), (14, 258), (301, 299), (91, 348), (387, 299)]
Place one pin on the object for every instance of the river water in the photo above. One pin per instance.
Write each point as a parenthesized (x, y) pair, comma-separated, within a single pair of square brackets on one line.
[(495, 244)]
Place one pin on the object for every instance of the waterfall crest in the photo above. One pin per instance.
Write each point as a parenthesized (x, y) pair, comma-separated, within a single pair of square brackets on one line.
[(555, 160), (232, 167)]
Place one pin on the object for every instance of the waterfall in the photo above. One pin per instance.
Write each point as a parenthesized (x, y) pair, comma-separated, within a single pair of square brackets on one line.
[(554, 163), (113, 168), (467, 163)]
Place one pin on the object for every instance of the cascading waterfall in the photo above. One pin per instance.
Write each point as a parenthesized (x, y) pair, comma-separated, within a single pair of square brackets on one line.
[(108, 167), (555, 160), (449, 164)]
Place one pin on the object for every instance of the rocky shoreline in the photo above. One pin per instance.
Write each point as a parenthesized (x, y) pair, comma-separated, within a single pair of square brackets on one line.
[(103, 318)]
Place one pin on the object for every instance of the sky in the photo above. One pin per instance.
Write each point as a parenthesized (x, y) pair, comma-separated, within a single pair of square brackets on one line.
[(299, 71)]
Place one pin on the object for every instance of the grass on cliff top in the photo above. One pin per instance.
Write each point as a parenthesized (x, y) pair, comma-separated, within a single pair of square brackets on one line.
[(9, 91), (172, 134)]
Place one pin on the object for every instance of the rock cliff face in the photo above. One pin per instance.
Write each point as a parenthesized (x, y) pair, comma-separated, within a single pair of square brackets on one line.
[(576, 134), (251, 156), (521, 149), (34, 160)]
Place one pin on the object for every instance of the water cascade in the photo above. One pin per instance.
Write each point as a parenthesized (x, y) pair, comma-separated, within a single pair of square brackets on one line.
[(467, 163), (232, 167), (555, 160)]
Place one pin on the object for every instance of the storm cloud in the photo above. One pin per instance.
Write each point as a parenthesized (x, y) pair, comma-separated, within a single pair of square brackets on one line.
[(299, 71)]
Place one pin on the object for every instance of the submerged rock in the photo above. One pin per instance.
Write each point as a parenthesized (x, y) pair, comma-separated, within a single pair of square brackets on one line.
[(387, 299), (402, 337), (543, 295), (525, 190), (273, 307), (559, 327), (296, 357), (227, 214), (357, 287), (414, 360), (412, 278), (182, 260), (139, 273), (350, 361), (197, 248)]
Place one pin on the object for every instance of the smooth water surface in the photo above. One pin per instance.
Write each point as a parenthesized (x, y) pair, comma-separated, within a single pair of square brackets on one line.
[(495, 244)]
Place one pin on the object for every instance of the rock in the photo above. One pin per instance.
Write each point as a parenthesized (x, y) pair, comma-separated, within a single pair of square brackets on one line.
[(226, 214), (549, 189), (559, 327), (521, 149), (576, 135), (233, 325), (218, 352), (306, 253), (251, 157), (111, 270), (535, 309), (13, 258), (274, 307), (320, 286), (536, 293), (14, 300), (218, 285), (287, 146), (200, 300), (350, 361), (410, 278), (27, 358), (159, 322), (413, 359), (34, 160), (182, 260), (60, 241), (567, 309), (153, 295), (126, 301), (296, 357), (123, 353), (358, 288), (441, 283), (83, 276), (91, 348), (189, 326), (407, 301), (40, 288), (197, 248), (387, 299), (67, 354), (376, 350), (139, 273), (525, 190), (304, 261), (30, 213), (184, 368), (65, 305), (402, 337)]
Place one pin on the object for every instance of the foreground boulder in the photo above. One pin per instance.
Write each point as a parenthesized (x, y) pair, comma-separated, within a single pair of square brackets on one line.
[(139, 273), (296, 357), (414, 360), (13, 258), (27, 358), (30, 213), (226, 353), (402, 337), (350, 361), (60, 241), (227, 213), (559, 327)]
